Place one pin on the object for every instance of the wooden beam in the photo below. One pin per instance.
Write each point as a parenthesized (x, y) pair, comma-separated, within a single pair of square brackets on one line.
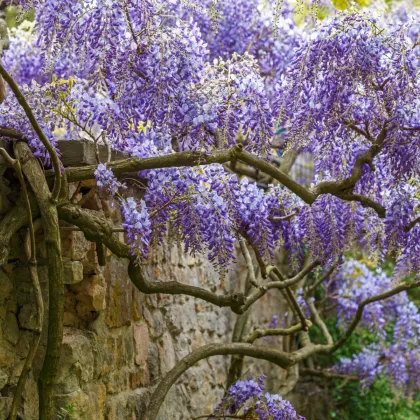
[(82, 152), (79, 152)]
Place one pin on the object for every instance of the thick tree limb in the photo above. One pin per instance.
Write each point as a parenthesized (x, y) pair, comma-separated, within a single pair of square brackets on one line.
[(48, 210), (38, 130), (252, 160), (166, 161), (341, 188), (10, 132), (412, 224), (345, 186), (12, 221), (236, 362), (39, 303), (291, 380), (98, 230), (30, 249), (234, 301), (365, 202), (277, 357), (193, 159)]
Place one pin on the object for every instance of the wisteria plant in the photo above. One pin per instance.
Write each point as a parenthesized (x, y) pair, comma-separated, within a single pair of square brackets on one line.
[(214, 105)]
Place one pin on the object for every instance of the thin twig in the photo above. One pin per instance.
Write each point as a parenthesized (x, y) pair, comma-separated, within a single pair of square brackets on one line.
[(261, 291), (248, 261), (324, 277), (411, 128), (319, 322), (294, 304), (282, 218), (361, 307), (74, 195), (168, 203), (108, 147), (268, 332), (75, 229)]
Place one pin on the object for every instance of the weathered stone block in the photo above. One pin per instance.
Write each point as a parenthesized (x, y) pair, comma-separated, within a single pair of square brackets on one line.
[(73, 272), (181, 318), (30, 400), (119, 297), (11, 328), (84, 409), (76, 361), (4, 377), (6, 286), (28, 317), (166, 353), (140, 378), (153, 363), (7, 356), (118, 381), (79, 246), (142, 340), (5, 404)]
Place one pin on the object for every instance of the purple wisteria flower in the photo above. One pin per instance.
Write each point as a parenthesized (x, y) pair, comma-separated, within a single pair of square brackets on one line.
[(396, 360), (137, 224), (274, 322), (106, 180), (249, 397)]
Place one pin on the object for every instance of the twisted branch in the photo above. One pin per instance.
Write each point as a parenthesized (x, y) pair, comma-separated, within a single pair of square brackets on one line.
[(98, 230), (30, 249), (275, 356), (39, 303), (48, 210)]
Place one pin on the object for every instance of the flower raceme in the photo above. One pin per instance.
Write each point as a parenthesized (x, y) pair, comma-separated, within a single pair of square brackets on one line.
[(394, 321), (248, 397)]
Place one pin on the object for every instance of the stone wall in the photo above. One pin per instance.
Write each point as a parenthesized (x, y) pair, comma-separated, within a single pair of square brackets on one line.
[(118, 342)]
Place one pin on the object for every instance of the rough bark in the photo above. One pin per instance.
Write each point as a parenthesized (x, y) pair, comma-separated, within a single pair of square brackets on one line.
[(49, 217), (33, 347), (277, 357)]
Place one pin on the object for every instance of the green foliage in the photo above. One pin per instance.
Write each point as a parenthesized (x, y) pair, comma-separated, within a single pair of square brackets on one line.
[(67, 412), (379, 402), (349, 401), (14, 17), (345, 4)]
